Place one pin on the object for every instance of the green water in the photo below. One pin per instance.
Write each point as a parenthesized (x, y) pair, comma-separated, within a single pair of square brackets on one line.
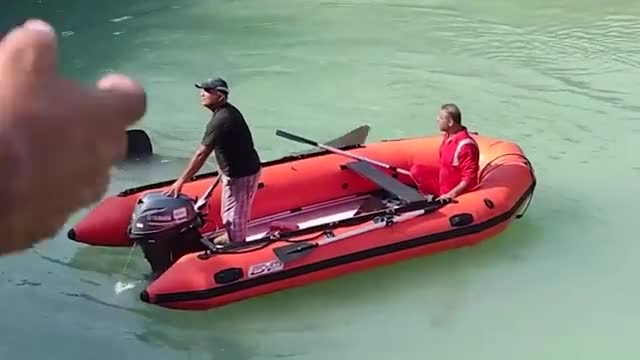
[(559, 78)]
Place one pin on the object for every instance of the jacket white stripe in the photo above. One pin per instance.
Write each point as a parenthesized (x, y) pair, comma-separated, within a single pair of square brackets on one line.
[(462, 143)]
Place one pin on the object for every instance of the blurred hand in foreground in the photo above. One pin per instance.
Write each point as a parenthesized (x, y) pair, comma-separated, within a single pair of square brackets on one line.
[(58, 139)]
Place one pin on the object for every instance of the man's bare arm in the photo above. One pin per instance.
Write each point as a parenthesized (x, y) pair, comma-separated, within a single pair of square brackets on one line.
[(195, 164)]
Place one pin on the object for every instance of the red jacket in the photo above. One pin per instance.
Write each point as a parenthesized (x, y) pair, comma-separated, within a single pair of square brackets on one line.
[(459, 160)]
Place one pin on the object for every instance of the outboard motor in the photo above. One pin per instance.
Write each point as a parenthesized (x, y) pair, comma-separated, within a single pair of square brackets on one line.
[(166, 228)]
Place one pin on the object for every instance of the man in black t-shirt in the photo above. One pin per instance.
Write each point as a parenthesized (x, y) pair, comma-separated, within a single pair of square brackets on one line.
[(228, 135)]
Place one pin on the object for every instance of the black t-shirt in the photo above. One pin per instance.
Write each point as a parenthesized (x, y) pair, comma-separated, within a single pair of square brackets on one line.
[(229, 136)]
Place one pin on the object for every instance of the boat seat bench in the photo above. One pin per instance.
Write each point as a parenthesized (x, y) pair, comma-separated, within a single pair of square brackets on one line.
[(393, 186)]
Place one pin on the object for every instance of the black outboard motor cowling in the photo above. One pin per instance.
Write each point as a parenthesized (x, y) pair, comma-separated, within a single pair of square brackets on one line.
[(166, 228)]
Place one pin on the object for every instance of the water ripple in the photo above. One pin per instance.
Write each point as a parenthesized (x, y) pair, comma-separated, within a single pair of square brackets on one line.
[(569, 54)]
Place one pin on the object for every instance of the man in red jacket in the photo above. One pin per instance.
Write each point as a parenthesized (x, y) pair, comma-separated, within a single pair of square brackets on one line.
[(459, 159)]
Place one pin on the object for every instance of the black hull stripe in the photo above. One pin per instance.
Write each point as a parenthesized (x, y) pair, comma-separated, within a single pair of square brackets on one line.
[(345, 259)]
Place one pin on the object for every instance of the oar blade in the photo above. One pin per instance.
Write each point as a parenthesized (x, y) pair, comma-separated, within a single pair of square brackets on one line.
[(357, 136), (138, 144), (289, 253)]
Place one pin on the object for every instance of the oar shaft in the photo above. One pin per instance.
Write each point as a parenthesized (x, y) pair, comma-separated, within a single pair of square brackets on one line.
[(207, 194), (362, 158), (365, 229), (289, 253), (334, 150)]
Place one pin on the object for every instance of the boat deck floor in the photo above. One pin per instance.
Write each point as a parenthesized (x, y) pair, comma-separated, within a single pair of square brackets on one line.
[(391, 192)]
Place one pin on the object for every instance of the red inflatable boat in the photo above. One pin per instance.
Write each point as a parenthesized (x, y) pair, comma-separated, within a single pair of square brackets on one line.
[(315, 216)]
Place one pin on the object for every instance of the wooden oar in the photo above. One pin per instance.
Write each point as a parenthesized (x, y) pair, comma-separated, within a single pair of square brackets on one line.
[(300, 139), (289, 253)]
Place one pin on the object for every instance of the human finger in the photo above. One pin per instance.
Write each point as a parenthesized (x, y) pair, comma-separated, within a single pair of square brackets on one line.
[(114, 104), (122, 98), (100, 115), (29, 51)]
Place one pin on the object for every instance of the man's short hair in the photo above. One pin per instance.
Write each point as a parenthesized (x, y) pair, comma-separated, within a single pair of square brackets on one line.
[(453, 111)]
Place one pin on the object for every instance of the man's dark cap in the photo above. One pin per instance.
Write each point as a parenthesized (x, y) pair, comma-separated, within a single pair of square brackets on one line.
[(217, 84)]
